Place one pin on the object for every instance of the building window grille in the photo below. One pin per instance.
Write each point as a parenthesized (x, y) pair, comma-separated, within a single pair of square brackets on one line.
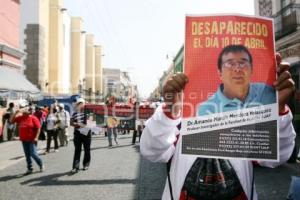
[(265, 8)]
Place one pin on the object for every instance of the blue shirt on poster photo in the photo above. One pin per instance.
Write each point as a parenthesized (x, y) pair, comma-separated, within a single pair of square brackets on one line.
[(259, 94)]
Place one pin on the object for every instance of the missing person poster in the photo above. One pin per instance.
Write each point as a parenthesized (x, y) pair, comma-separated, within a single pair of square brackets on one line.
[(230, 106)]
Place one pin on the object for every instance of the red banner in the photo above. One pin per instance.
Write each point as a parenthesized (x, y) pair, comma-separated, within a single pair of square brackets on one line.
[(126, 111)]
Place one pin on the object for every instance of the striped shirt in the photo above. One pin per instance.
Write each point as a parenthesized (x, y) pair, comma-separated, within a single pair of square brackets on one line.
[(79, 117)]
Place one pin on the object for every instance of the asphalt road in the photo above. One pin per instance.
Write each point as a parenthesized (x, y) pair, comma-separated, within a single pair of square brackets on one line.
[(113, 174), (118, 173)]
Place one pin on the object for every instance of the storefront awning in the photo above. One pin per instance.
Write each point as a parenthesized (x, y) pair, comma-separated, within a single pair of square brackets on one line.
[(12, 81)]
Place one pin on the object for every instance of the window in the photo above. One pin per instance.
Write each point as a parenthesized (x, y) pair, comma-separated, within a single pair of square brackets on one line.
[(265, 8), (284, 3)]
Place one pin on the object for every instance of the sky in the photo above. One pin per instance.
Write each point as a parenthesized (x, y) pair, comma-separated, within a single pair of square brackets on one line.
[(142, 36)]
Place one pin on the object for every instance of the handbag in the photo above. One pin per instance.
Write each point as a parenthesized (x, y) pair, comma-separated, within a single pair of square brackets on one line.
[(213, 179), (42, 135)]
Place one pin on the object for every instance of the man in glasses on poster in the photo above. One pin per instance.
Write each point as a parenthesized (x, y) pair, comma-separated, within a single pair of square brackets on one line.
[(235, 67)]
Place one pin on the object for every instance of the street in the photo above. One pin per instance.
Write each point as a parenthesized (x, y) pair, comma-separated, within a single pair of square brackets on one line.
[(112, 174), (115, 173)]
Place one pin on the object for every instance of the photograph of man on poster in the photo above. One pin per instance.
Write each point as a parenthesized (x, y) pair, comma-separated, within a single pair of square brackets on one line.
[(235, 68)]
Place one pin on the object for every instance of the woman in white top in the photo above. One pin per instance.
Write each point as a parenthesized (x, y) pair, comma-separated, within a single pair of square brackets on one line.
[(51, 128)]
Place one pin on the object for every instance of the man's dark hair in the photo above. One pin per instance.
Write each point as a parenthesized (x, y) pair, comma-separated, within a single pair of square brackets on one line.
[(11, 105), (233, 49)]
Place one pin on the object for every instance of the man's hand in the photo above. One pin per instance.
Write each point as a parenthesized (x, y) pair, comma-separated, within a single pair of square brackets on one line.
[(172, 92), (284, 83)]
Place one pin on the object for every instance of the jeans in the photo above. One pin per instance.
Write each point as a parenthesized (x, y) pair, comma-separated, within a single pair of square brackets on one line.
[(79, 140), (30, 151), (111, 131)]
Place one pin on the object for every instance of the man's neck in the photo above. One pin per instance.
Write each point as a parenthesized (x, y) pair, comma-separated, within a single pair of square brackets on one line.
[(239, 93)]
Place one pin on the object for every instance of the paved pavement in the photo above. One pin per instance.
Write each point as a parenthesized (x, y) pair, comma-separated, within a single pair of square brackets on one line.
[(115, 173)]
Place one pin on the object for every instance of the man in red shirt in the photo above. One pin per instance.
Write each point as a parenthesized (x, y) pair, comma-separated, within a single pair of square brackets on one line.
[(29, 130)]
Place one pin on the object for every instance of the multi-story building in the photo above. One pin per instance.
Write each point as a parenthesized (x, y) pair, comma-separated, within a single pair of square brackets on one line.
[(98, 72), (66, 64), (90, 67), (155, 94), (61, 59), (111, 80), (78, 57), (34, 41), (178, 60), (13, 83), (118, 84), (56, 35), (286, 14)]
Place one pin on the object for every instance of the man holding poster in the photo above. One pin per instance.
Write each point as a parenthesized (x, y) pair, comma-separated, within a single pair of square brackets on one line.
[(217, 174)]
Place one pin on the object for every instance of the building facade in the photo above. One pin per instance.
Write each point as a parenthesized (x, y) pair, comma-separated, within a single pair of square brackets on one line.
[(13, 83), (286, 15), (34, 41), (66, 65), (78, 57), (178, 60), (56, 35), (90, 67), (98, 72), (61, 58), (118, 84)]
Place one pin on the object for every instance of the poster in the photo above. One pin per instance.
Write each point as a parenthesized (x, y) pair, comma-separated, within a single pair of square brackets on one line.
[(230, 107)]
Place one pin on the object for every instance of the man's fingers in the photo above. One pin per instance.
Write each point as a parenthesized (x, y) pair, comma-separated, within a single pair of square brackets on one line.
[(173, 87), (181, 81), (176, 83), (169, 87), (287, 84), (181, 78), (282, 78), (278, 58), (283, 66)]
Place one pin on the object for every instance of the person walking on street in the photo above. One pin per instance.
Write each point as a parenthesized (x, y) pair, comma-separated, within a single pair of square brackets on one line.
[(82, 136), (40, 114), (64, 123), (10, 126), (112, 130), (29, 130), (52, 122)]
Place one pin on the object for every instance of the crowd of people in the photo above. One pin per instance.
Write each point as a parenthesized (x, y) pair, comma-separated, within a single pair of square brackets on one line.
[(30, 123)]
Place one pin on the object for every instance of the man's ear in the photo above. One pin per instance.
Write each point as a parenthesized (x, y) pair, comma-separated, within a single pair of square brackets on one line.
[(220, 74)]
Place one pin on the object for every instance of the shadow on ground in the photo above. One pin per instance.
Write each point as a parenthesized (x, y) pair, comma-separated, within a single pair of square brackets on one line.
[(53, 180)]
